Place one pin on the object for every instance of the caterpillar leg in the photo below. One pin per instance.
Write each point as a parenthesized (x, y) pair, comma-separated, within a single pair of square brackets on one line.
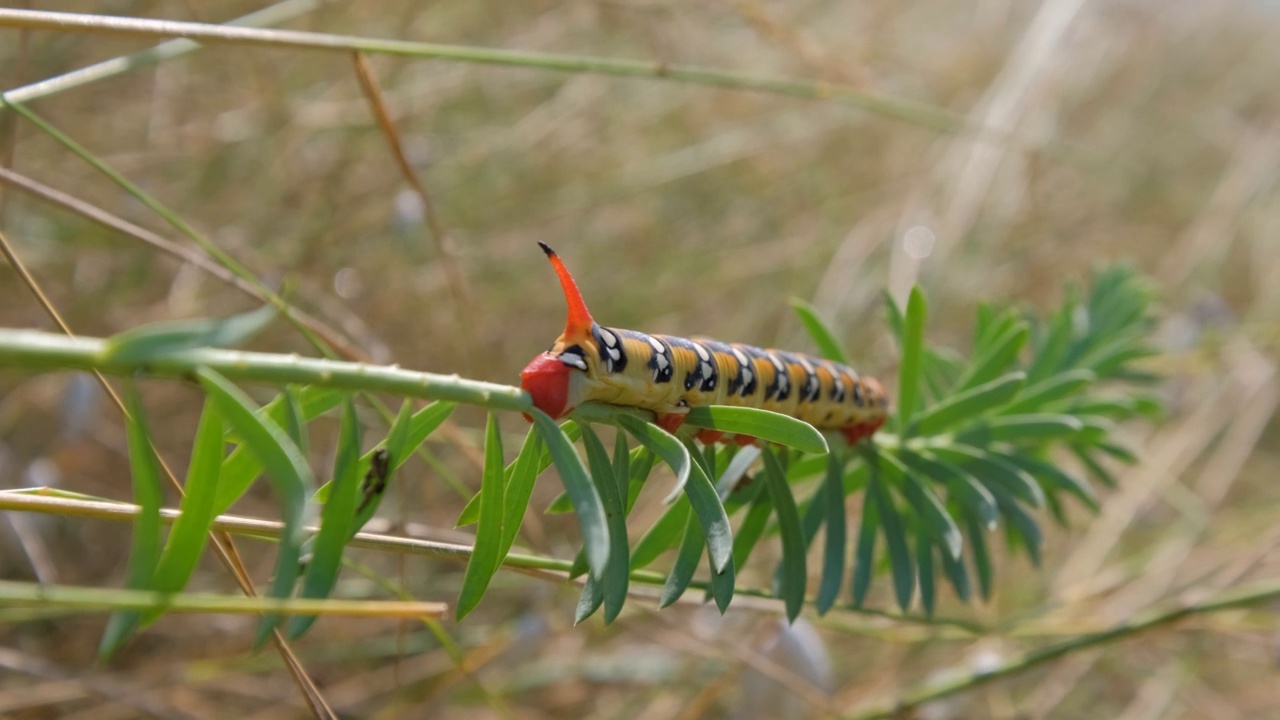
[(856, 433), (671, 421), (707, 436)]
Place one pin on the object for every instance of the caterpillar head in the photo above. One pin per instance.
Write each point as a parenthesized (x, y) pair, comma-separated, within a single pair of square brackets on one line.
[(556, 378)]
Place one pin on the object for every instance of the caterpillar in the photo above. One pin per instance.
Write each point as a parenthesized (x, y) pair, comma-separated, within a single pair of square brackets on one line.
[(669, 375)]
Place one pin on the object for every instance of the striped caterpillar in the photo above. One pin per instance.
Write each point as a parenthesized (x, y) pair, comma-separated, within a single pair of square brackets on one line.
[(669, 375)]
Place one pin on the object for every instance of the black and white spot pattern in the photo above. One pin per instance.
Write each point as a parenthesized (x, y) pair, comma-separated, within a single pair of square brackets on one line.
[(574, 356), (837, 382), (707, 374), (660, 363), (812, 389), (611, 353), (780, 388)]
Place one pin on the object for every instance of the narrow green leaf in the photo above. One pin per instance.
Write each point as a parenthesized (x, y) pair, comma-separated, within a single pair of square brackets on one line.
[(831, 495), (794, 572), (316, 400), (1052, 476), (403, 440), (241, 467), (165, 338), (485, 557), (941, 368), (981, 559), (753, 526), (1121, 453), (1053, 346), (961, 485), (763, 424), (1050, 390), (617, 575), (1094, 467), (519, 479), (685, 565), (893, 316), (586, 501), (924, 569), (398, 449), (559, 506), (828, 346), (805, 467), (1024, 527), (968, 404), (995, 472), (904, 571), (421, 425), (641, 465), (335, 519), (590, 600), (932, 515), (287, 470), (730, 486), (722, 585), (1012, 428), (541, 461), (622, 467), (294, 425), (408, 431), (995, 360), (190, 532), (662, 535), (864, 555), (144, 550), (711, 515), (664, 445), (956, 575), (912, 350)]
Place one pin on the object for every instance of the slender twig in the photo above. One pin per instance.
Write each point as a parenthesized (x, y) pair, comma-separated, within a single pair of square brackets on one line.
[(918, 113), (1232, 600), (99, 599), (35, 349), (545, 568), (270, 15)]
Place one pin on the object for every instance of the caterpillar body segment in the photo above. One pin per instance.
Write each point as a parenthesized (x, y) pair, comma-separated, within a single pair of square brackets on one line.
[(668, 375)]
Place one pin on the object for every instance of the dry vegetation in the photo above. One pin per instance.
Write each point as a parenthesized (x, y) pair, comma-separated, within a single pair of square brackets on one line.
[(1144, 131)]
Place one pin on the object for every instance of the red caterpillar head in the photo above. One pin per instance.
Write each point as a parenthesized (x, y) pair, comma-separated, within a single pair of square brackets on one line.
[(552, 377)]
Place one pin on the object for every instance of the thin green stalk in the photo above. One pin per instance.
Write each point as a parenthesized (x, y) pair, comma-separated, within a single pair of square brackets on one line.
[(100, 599), (270, 15), (55, 502), (898, 108), (1231, 600), (41, 350)]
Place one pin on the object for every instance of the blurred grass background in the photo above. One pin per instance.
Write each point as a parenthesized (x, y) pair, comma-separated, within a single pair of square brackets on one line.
[(1145, 131)]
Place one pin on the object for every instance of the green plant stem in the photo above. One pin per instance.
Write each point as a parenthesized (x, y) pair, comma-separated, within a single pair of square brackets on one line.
[(41, 350), (901, 109), (270, 15), (97, 599), (1231, 600), (70, 505)]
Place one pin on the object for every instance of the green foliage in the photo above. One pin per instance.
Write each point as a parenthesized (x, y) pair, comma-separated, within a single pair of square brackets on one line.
[(983, 443)]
